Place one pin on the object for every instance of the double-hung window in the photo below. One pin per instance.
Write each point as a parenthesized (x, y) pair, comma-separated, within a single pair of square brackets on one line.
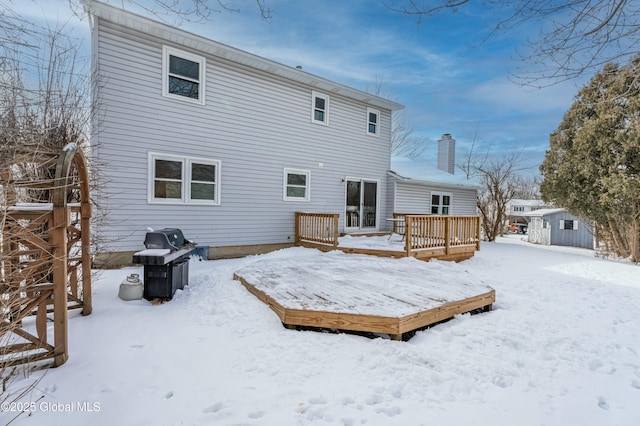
[(440, 203), (319, 108), (296, 185), (183, 75), (183, 180), (373, 122)]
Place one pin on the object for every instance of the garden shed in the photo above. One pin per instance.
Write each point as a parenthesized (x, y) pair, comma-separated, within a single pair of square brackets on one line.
[(560, 228)]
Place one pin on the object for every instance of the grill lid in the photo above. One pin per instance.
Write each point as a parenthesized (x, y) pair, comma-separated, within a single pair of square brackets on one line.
[(167, 238)]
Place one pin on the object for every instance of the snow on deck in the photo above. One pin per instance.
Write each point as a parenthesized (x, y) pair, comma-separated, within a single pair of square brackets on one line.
[(361, 284), (375, 242)]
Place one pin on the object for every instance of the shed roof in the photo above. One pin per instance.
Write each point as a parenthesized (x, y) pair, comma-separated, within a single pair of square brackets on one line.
[(543, 212), (202, 44)]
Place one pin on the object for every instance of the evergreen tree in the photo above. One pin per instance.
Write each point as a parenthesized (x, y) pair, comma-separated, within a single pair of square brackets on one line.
[(593, 165)]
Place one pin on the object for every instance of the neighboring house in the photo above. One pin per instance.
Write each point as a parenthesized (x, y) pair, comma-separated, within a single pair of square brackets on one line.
[(226, 145), (559, 228), (517, 210), (519, 207)]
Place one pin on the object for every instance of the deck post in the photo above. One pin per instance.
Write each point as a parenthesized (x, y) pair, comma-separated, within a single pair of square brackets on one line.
[(478, 232), (447, 235), (408, 227), (396, 337), (297, 236), (336, 218)]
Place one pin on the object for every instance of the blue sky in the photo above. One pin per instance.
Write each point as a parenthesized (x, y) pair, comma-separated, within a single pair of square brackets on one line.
[(448, 80)]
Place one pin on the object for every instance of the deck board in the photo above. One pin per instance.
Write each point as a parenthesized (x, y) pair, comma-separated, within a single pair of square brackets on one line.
[(362, 293)]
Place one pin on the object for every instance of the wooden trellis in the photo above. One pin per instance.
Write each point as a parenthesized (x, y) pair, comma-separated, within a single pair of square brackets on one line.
[(45, 262)]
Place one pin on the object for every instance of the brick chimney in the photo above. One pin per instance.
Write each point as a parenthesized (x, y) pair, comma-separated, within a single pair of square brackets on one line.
[(447, 153)]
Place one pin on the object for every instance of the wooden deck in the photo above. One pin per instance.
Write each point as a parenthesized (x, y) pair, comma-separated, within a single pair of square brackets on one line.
[(363, 293), (425, 237)]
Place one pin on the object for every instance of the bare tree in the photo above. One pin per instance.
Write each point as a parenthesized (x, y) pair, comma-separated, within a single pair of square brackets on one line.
[(576, 37), (500, 181), (527, 187), (44, 105), (471, 159), (498, 186), (404, 141)]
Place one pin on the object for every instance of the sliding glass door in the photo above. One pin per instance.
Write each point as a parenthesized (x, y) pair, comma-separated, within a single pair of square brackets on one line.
[(361, 204)]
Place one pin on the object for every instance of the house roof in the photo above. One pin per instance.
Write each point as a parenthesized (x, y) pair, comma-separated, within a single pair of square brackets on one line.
[(543, 212), (202, 44), (423, 172), (526, 203)]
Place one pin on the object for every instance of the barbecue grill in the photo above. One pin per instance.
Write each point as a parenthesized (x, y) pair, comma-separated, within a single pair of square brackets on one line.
[(166, 262)]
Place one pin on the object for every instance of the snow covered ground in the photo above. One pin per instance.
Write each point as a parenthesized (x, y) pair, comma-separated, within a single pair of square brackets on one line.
[(561, 347)]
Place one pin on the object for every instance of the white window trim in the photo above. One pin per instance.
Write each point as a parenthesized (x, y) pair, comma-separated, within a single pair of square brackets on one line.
[(441, 194), (377, 113), (201, 60), (307, 192), (186, 179), (315, 95), (574, 227)]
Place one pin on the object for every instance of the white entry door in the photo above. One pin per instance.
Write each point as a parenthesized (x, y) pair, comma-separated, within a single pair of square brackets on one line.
[(361, 204)]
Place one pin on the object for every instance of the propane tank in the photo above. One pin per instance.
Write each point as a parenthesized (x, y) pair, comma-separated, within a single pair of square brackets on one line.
[(131, 288)]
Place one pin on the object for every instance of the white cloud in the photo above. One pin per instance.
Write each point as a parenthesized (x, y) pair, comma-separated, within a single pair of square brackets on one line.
[(503, 93), (51, 13)]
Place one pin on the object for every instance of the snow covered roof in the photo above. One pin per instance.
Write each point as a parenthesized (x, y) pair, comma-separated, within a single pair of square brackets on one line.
[(202, 44), (526, 203), (426, 172), (543, 212)]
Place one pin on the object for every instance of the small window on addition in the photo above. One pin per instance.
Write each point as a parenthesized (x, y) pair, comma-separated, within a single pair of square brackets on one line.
[(296, 185), (440, 203), (373, 122), (320, 108)]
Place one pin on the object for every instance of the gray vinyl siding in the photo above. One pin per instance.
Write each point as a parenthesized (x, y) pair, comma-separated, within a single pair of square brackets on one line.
[(256, 124), (416, 198), (553, 235)]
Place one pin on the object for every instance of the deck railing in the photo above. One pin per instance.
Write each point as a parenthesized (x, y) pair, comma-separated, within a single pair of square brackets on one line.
[(426, 236), (317, 227), (431, 231)]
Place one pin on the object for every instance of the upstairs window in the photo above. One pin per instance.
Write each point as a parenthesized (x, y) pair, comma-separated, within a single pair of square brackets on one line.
[(440, 203), (373, 122), (320, 108), (183, 180), (296, 185), (183, 75)]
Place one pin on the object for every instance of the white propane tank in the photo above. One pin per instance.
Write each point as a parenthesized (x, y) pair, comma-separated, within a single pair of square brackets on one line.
[(131, 288)]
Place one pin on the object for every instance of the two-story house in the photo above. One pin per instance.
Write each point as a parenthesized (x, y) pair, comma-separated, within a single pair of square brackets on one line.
[(518, 213), (223, 144)]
